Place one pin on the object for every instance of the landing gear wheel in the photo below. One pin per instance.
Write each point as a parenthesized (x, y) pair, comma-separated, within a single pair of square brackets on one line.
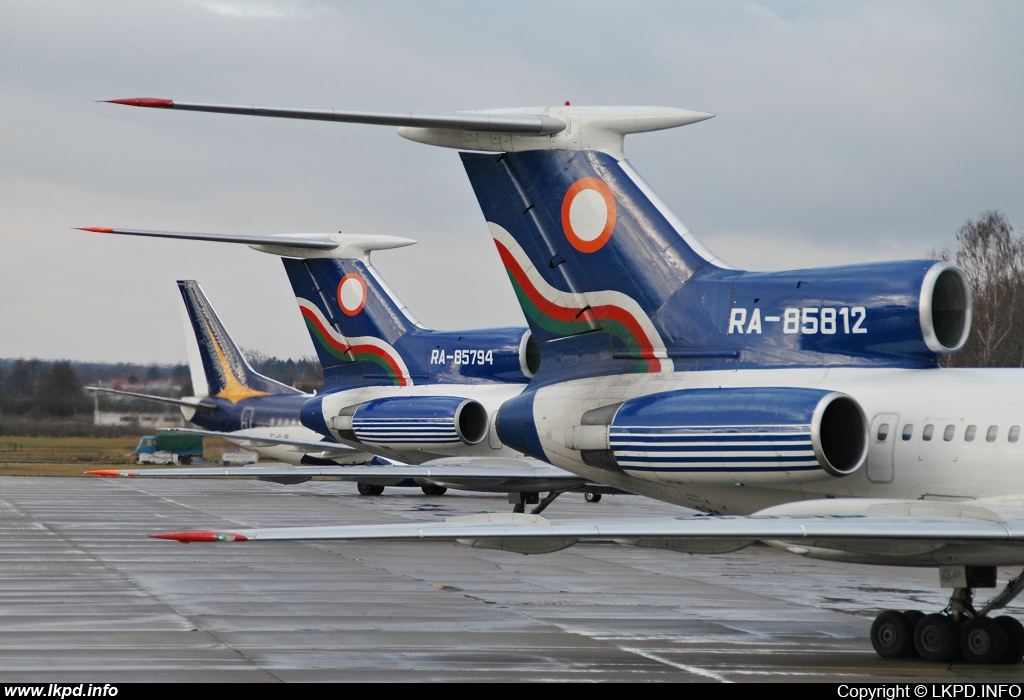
[(914, 616), (1014, 632), (892, 635), (983, 641), (369, 489), (937, 638), (431, 490), (592, 497)]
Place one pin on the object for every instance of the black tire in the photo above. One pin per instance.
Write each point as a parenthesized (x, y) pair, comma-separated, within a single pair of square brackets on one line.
[(914, 616), (1014, 631), (432, 490), (185, 459), (937, 638), (983, 641), (592, 497), (892, 635), (369, 489)]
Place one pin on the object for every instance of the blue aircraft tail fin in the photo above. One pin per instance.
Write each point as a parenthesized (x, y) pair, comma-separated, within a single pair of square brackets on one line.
[(588, 246), (352, 316), (218, 367)]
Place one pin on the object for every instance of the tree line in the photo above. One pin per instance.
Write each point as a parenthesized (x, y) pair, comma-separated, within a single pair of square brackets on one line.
[(41, 390), (991, 253)]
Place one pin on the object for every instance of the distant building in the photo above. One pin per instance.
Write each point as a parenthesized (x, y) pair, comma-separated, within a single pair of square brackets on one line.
[(128, 417), (149, 421)]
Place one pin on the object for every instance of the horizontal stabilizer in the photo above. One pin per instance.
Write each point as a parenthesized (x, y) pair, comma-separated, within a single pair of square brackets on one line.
[(292, 245), (497, 130), (477, 121)]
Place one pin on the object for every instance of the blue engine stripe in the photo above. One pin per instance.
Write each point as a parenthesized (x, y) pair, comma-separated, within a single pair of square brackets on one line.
[(776, 459), (411, 440), (407, 436), (709, 446), (735, 468), (709, 456), (403, 424), (728, 437), (396, 429), (729, 429)]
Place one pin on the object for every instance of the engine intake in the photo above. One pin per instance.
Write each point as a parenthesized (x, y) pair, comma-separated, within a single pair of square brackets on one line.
[(945, 308)]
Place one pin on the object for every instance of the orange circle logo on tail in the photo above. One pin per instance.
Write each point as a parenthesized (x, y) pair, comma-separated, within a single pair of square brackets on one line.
[(588, 214), (352, 293)]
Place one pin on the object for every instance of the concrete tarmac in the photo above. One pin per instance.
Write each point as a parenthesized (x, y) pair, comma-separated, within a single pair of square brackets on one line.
[(85, 596)]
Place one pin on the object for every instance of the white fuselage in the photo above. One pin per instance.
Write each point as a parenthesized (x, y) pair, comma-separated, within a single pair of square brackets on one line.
[(989, 466)]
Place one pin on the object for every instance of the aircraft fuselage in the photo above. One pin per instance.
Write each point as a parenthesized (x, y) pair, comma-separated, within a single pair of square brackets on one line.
[(950, 434)]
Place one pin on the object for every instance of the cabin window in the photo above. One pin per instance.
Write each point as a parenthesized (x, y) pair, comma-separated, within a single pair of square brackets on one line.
[(947, 434), (993, 432), (883, 432), (1014, 433), (969, 434), (928, 431), (908, 431)]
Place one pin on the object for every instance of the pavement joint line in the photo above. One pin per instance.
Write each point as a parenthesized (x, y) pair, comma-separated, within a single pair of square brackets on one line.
[(141, 587), (696, 670)]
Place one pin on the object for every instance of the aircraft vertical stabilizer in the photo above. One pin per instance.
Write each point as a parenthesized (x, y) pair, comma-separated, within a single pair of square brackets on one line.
[(351, 315), (225, 370), (587, 245)]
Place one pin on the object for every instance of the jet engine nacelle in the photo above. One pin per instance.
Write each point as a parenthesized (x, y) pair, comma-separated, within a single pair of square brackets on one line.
[(913, 311), (413, 422), (748, 434)]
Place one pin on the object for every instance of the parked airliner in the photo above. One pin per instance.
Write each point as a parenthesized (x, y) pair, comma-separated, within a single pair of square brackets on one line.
[(805, 409), (408, 395)]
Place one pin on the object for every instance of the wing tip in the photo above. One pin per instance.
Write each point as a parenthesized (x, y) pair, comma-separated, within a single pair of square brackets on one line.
[(110, 472), (94, 229), (187, 536), (142, 102)]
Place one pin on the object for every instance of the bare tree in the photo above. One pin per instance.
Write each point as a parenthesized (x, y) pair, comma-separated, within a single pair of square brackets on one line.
[(992, 256)]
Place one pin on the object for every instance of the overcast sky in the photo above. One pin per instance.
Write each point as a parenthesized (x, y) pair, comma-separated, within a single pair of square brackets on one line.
[(845, 132)]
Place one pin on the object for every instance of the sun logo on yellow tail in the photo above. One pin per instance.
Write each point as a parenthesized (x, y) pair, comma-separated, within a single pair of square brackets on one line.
[(234, 391)]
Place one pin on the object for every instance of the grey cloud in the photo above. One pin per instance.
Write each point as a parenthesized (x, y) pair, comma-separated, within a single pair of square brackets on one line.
[(845, 132)]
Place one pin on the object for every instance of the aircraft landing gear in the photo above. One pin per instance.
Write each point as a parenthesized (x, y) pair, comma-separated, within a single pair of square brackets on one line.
[(892, 635), (592, 497), (958, 632), (369, 489), (520, 500), (431, 490)]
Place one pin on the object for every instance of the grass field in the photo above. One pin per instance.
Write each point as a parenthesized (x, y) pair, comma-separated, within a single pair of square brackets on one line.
[(73, 456)]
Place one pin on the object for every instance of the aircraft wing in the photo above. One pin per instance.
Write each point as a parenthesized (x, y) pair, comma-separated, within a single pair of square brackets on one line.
[(513, 475), (942, 537), (269, 472), (151, 397), (324, 449), (744, 527)]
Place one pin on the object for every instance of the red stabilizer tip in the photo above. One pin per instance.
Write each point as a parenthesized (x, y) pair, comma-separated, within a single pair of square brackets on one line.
[(143, 102), (110, 472), (94, 229), (201, 536)]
